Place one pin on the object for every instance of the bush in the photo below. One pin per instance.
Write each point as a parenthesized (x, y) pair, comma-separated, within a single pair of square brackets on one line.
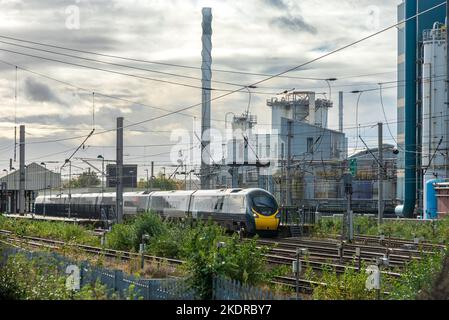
[(440, 285), (347, 286), (170, 243), (418, 277), (39, 279), (43, 278), (240, 261), (49, 229), (203, 258), (150, 224), (437, 232), (244, 261), (121, 237)]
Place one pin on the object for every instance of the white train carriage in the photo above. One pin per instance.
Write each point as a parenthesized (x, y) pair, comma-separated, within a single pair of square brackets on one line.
[(255, 210)]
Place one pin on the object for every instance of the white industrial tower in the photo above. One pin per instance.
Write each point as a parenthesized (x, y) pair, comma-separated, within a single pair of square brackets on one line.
[(206, 67)]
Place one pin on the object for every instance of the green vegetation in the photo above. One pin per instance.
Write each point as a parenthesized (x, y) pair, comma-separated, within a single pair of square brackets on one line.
[(161, 183), (49, 229), (195, 243), (347, 286), (210, 253), (419, 280), (84, 180), (40, 279), (419, 277), (121, 237), (437, 231)]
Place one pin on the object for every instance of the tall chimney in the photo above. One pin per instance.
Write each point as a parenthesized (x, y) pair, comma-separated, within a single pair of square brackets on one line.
[(206, 97), (340, 111)]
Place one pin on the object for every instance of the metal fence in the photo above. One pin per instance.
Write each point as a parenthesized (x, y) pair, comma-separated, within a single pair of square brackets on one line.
[(116, 281), (119, 283), (226, 289), (297, 216)]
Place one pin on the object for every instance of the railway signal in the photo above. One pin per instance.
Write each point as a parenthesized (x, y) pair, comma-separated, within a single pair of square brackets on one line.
[(358, 254), (145, 237), (297, 268), (353, 167)]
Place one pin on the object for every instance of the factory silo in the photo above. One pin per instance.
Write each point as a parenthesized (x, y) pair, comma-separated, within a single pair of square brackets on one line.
[(418, 18), (435, 129)]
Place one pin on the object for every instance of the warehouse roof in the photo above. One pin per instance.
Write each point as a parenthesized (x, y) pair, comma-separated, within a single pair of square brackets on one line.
[(37, 178)]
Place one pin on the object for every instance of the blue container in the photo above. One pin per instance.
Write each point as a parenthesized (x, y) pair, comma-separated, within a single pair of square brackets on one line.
[(362, 190), (431, 203)]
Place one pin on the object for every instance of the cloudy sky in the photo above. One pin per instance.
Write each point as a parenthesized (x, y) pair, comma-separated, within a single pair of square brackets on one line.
[(55, 99)]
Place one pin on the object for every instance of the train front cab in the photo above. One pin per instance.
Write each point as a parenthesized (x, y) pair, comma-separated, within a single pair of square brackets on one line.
[(264, 216)]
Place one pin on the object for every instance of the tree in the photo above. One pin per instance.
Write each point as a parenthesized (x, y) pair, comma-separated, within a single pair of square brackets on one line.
[(84, 180), (160, 183)]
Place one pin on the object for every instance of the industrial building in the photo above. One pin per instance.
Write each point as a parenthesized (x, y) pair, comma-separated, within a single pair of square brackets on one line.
[(299, 159), (423, 130), (37, 179), (364, 166)]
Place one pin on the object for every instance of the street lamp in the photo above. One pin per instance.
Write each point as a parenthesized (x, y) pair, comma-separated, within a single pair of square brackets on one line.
[(7, 186), (148, 183), (70, 184), (26, 193), (102, 173), (45, 183), (328, 81), (131, 177), (359, 92)]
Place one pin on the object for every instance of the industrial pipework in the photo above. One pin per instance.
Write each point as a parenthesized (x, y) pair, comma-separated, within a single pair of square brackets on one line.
[(410, 108)]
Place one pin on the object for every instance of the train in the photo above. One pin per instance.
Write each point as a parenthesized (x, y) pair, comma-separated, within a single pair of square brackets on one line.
[(255, 211)]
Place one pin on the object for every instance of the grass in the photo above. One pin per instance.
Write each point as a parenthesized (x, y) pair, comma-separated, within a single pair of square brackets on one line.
[(436, 231), (39, 279), (51, 230), (197, 244)]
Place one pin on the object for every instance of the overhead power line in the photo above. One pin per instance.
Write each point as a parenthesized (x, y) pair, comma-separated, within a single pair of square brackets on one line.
[(272, 76), (154, 62)]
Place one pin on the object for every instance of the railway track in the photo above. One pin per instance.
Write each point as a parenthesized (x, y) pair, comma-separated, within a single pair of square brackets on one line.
[(305, 286), (110, 253), (393, 242), (339, 255)]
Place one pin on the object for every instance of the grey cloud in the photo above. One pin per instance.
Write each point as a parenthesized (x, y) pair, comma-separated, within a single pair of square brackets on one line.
[(296, 24), (277, 3), (39, 92)]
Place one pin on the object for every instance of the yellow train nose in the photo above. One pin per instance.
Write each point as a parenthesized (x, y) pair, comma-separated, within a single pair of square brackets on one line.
[(270, 223)]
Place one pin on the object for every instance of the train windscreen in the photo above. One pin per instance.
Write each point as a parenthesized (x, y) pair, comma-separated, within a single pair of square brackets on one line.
[(264, 204)]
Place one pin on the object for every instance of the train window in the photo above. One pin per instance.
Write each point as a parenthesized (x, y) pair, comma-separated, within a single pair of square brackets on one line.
[(143, 205), (158, 202), (130, 204), (219, 204), (235, 204), (204, 203), (264, 204)]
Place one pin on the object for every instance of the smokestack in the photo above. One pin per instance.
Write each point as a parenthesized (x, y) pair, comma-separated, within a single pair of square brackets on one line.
[(340, 111), (206, 65), (312, 107)]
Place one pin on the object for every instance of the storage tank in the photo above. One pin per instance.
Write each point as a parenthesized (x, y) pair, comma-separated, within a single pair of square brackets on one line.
[(435, 129), (430, 200)]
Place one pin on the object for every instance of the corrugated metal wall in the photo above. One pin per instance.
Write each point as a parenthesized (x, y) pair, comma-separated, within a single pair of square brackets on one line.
[(36, 178)]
